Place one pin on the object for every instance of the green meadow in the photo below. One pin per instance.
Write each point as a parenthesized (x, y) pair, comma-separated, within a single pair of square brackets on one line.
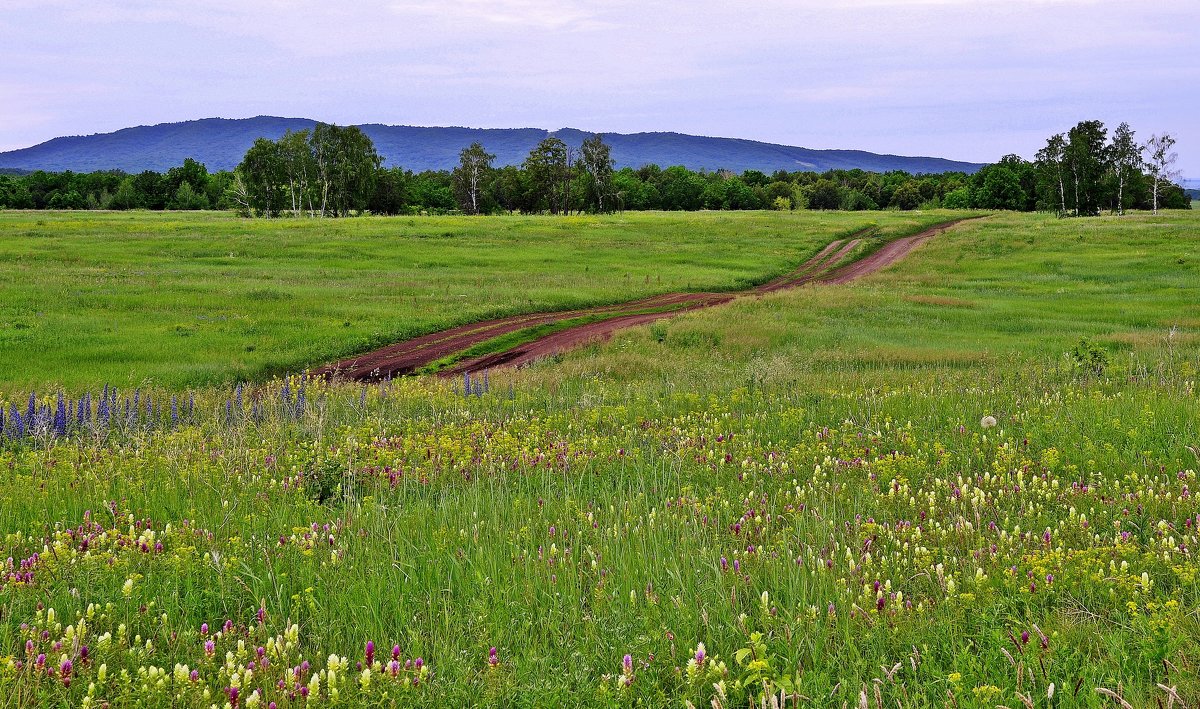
[(201, 298), (966, 480)]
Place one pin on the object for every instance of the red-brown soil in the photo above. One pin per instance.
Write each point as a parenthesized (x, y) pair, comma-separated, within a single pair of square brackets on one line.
[(406, 357)]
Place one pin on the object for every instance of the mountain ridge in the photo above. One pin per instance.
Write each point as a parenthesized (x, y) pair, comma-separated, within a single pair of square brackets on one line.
[(220, 144)]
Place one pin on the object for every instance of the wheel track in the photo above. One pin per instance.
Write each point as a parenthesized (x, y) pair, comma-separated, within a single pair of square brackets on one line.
[(825, 267)]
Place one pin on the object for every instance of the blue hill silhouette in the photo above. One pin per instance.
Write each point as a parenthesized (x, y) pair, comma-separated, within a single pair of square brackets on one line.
[(220, 144)]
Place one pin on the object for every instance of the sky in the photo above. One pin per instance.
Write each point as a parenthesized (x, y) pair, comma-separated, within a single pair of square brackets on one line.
[(962, 79)]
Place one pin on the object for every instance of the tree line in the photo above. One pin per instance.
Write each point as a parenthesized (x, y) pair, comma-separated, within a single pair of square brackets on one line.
[(336, 171)]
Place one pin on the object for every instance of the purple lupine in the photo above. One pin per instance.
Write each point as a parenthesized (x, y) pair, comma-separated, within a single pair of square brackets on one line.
[(60, 416), (466, 383), (486, 386), (31, 410), (237, 397), (16, 425), (300, 400), (174, 412)]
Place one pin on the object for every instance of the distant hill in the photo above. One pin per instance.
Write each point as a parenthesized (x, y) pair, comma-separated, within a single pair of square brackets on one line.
[(220, 144)]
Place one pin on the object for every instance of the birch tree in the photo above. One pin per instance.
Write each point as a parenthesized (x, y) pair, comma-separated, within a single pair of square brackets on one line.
[(1050, 161), (295, 153), (596, 161), (1126, 157), (346, 164), (471, 176), (1161, 164)]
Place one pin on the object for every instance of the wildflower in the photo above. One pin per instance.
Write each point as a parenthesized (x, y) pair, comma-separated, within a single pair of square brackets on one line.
[(626, 677), (493, 660), (988, 422), (370, 653)]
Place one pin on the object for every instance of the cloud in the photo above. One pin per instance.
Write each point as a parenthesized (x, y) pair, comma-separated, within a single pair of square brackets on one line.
[(951, 77)]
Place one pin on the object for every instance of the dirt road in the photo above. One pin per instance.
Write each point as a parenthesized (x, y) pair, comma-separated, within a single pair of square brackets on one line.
[(829, 266)]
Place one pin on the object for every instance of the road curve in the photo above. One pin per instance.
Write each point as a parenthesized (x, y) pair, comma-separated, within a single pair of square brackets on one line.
[(829, 266)]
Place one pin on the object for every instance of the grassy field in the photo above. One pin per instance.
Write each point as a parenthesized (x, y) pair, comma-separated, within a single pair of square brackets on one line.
[(801, 493), (186, 298)]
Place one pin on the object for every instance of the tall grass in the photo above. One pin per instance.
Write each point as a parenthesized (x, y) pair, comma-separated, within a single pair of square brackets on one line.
[(742, 481)]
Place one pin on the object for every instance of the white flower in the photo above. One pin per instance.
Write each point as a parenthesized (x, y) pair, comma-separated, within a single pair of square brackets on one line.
[(988, 422)]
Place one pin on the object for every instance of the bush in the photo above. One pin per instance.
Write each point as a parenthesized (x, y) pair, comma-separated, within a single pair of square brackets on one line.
[(1089, 356)]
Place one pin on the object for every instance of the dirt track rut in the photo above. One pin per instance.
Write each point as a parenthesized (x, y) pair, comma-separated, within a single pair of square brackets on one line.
[(826, 267)]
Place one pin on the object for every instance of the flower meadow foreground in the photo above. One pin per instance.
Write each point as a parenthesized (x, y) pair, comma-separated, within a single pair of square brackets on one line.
[(1023, 541)]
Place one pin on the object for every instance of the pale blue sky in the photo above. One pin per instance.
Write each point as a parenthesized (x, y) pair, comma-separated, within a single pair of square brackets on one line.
[(963, 79)]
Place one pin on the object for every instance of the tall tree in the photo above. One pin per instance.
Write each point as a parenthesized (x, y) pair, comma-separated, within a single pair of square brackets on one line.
[(1161, 163), (1125, 156), (1050, 163), (297, 167), (472, 176), (1087, 157), (549, 169), (346, 166), (595, 159), (260, 176), (510, 186)]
